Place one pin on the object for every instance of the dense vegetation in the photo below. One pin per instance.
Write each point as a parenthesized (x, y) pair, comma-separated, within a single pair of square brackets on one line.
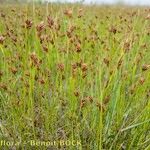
[(75, 72)]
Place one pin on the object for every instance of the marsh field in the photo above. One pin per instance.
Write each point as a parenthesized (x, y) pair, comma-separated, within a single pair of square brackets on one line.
[(74, 74)]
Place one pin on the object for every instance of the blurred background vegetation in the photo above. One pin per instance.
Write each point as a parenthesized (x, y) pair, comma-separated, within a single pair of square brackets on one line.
[(18, 1)]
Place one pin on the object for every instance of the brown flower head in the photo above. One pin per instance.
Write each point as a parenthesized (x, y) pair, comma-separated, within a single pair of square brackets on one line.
[(106, 61), (61, 67), (84, 67), (35, 60), (80, 13), (78, 47), (45, 49), (3, 86), (28, 23), (145, 67), (50, 21), (77, 93), (147, 17), (82, 103), (100, 107), (68, 13), (14, 70), (41, 81), (142, 80), (2, 38), (113, 30), (40, 26)]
